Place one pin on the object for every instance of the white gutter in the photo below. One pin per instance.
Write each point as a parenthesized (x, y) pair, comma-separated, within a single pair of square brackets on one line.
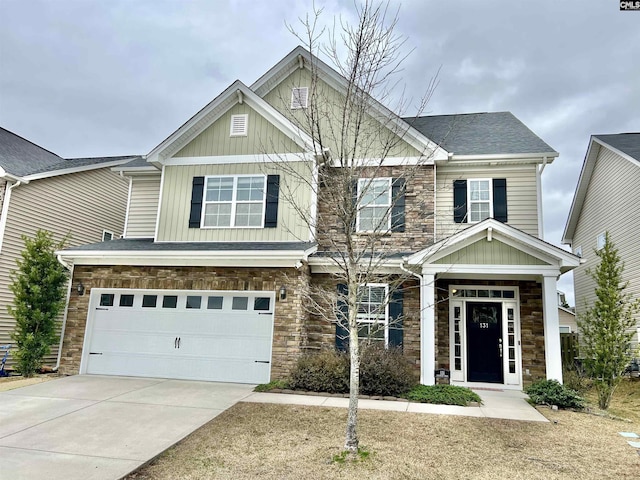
[(539, 193), (5, 203)]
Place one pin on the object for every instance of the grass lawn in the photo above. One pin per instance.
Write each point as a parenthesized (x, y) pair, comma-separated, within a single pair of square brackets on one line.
[(281, 441)]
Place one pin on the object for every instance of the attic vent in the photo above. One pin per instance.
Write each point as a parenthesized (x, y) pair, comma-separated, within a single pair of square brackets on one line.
[(239, 125), (299, 97)]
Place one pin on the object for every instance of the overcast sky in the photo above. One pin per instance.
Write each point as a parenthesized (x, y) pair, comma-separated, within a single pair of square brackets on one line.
[(99, 78)]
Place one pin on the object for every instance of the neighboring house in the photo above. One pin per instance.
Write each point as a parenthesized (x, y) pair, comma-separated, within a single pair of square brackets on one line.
[(606, 200), (566, 315), (79, 197), (207, 282)]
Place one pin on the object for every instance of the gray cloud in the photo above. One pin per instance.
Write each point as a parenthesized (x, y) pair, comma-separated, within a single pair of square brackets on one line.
[(88, 77)]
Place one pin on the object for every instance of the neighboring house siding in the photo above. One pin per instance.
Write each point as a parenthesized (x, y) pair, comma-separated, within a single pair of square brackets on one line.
[(567, 319), (484, 252), (522, 207), (143, 206), (374, 140), (262, 137), (295, 197), (83, 203), (611, 204)]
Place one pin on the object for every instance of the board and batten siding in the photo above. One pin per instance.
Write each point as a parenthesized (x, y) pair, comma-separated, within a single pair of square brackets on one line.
[(494, 252), (374, 137), (143, 206), (611, 204), (262, 137), (295, 196), (522, 198), (82, 204)]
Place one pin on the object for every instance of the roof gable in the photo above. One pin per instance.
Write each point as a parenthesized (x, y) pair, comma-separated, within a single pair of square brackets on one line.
[(626, 145), (236, 93)]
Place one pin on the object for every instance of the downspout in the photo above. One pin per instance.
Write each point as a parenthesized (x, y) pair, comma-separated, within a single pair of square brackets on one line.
[(5, 202), (68, 266), (539, 193)]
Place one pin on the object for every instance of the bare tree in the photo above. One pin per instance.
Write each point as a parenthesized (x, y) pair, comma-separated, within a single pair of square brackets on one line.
[(358, 142)]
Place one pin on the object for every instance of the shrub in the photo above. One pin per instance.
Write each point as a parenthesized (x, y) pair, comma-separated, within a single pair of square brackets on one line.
[(552, 392), (266, 387), (324, 371), (385, 371), (443, 394), (576, 380)]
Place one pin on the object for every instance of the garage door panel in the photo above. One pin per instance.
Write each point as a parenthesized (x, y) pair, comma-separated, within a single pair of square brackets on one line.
[(187, 336)]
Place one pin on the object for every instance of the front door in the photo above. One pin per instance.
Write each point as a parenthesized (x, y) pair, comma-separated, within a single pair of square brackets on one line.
[(484, 342)]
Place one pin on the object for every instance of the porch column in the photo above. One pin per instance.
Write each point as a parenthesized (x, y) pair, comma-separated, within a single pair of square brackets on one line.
[(427, 330), (552, 352)]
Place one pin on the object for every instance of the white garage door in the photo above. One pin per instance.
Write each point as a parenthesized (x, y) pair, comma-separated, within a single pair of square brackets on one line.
[(222, 336)]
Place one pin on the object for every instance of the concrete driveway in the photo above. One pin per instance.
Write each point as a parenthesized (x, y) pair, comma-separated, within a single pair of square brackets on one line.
[(98, 427)]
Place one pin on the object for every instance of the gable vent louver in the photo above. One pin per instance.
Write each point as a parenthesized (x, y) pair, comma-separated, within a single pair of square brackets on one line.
[(239, 125), (299, 97)]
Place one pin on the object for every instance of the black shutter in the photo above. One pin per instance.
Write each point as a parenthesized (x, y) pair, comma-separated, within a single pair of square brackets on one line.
[(271, 207), (354, 200), (197, 191), (500, 199), (459, 201), (342, 332), (397, 207), (395, 318)]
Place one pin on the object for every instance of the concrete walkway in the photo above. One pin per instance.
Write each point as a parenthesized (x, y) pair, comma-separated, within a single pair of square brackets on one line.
[(504, 404), (91, 427)]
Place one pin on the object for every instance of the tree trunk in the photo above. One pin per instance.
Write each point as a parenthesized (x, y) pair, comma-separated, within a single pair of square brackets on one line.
[(351, 440)]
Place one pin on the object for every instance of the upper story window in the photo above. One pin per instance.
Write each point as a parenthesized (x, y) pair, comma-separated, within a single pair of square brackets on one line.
[(477, 199), (299, 97), (107, 235), (602, 239), (375, 205), (234, 201), (578, 251), (373, 312), (239, 125)]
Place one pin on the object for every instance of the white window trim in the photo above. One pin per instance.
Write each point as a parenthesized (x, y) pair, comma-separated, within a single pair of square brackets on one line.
[(386, 311), (234, 202), (578, 251), (104, 232), (368, 181), (469, 201), (295, 99), (601, 240), (243, 133), (560, 327)]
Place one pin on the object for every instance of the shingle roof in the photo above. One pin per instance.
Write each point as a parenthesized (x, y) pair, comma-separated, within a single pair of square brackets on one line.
[(147, 244), (493, 133), (81, 162), (628, 143), (137, 162)]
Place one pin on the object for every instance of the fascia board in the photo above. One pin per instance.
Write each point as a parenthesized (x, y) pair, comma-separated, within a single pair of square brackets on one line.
[(473, 269), (67, 171), (506, 156)]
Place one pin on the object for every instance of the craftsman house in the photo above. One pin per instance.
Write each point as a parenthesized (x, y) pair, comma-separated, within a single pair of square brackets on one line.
[(208, 278), (78, 197), (606, 200)]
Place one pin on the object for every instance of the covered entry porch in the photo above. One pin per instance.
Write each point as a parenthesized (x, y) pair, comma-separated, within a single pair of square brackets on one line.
[(489, 307)]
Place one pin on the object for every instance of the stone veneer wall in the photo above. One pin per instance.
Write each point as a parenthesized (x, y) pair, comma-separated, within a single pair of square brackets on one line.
[(289, 321), (321, 333), (531, 324), (419, 216)]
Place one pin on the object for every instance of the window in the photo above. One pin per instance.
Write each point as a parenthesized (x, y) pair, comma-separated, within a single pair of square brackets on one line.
[(602, 238), (239, 125), (170, 301), (106, 300), (375, 201), (578, 251), (149, 301), (234, 201), (565, 329), (126, 300), (107, 235), (214, 303), (194, 302), (479, 200), (372, 312), (261, 303), (299, 97), (239, 303)]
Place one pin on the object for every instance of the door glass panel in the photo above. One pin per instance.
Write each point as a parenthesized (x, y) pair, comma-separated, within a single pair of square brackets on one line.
[(149, 301), (106, 300), (170, 301), (194, 301), (511, 339), (126, 300), (214, 303), (240, 303), (262, 303), (457, 343)]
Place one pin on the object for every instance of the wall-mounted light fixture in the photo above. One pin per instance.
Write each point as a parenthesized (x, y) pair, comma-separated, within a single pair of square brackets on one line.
[(80, 289), (283, 293)]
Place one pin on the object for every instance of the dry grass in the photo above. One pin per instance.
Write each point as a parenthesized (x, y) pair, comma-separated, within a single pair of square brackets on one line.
[(9, 383), (625, 402), (292, 442)]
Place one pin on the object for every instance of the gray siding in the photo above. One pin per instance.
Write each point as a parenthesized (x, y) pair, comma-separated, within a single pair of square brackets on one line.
[(82, 204), (522, 195), (295, 197), (143, 206), (611, 204)]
